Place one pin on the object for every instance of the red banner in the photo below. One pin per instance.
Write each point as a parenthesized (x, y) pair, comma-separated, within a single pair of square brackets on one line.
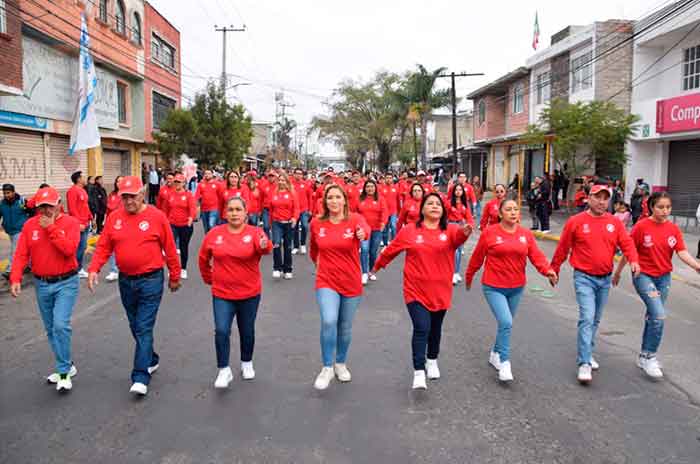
[(680, 114)]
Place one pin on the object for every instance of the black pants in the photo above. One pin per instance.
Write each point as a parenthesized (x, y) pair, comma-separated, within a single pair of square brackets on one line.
[(100, 221), (153, 190), (555, 199), (543, 215), (427, 330), (182, 235)]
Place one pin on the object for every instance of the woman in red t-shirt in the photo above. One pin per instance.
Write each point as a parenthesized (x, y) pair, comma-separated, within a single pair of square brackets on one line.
[(430, 245), (372, 207), (181, 209), (410, 211), (656, 239), (254, 201), (505, 247), (229, 261), (335, 237), (284, 213), (458, 213), (114, 202), (489, 216), (232, 188)]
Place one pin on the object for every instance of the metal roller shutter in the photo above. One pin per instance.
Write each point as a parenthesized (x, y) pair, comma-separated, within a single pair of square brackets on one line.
[(113, 166), (684, 175), (62, 165), (22, 160)]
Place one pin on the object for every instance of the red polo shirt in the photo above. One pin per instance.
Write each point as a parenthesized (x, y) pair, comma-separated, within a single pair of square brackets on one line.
[(77, 202), (208, 193)]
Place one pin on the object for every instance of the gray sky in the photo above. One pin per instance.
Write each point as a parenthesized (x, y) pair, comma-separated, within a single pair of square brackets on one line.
[(307, 46)]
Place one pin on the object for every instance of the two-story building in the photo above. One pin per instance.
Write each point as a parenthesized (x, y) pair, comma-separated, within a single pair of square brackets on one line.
[(666, 96), (470, 159), (35, 125)]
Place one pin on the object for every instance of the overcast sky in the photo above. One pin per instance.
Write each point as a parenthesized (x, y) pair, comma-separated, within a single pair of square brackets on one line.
[(307, 46)]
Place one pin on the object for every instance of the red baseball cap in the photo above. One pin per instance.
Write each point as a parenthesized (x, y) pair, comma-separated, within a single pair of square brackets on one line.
[(179, 177), (47, 196), (600, 188), (421, 173), (130, 185)]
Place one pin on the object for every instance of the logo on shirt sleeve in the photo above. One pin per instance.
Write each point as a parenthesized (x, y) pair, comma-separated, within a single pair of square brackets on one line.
[(219, 240), (118, 224), (443, 237), (672, 242), (144, 225), (247, 239), (523, 239), (348, 233), (499, 240), (610, 228), (586, 229), (419, 239), (322, 232), (35, 235)]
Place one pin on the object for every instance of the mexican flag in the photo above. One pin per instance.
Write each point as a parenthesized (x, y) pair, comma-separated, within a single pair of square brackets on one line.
[(536, 34)]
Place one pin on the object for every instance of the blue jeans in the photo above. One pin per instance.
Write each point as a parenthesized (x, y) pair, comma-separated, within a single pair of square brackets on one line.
[(458, 253), (369, 249), (210, 219), (82, 245), (141, 299), (56, 302), (337, 312), (266, 221), (13, 246), (504, 304), (653, 291), (245, 312), (477, 213), (389, 231), (591, 296), (427, 332), (112, 264), (282, 242), (254, 219), (301, 229)]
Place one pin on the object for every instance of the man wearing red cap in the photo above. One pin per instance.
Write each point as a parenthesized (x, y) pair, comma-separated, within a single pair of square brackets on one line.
[(50, 241), (592, 237), (139, 235)]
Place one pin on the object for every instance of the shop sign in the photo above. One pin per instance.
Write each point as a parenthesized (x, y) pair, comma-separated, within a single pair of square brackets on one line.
[(517, 148), (16, 119), (680, 114)]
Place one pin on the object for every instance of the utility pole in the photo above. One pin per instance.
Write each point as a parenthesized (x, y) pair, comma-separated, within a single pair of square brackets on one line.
[(453, 95), (225, 29)]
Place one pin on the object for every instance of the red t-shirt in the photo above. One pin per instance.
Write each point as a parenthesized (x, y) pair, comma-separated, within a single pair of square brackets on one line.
[(208, 193), (284, 206), (230, 262), (429, 265), (225, 194), (335, 250), (489, 215), (180, 207), (267, 190), (468, 192), (77, 201), (391, 196), (374, 212), (255, 201), (353, 192), (410, 213), (592, 241), (459, 213), (304, 190), (506, 257), (655, 243), (138, 242), (114, 202), (50, 250), (580, 198), (163, 195)]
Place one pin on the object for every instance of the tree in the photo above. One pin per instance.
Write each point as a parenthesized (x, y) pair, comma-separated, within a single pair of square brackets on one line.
[(284, 129), (582, 133), (175, 134)]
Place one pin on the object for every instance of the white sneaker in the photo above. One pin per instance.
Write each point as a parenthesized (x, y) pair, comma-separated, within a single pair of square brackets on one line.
[(459, 277), (303, 250), (139, 389), (288, 275), (504, 373), (495, 360), (224, 378), (183, 274), (342, 372), (365, 277), (419, 380), (247, 370), (455, 279), (64, 384), (594, 364), (276, 274), (585, 374), (295, 251), (153, 368), (373, 277), (82, 274), (650, 366), (324, 378), (53, 378), (112, 276), (431, 368)]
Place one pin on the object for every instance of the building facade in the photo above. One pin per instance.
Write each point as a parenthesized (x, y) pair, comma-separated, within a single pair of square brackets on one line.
[(35, 125)]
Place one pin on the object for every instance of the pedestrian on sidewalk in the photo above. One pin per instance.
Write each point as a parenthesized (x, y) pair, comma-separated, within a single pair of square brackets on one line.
[(208, 195), (531, 199), (506, 247), (284, 214), (410, 212), (335, 238), (592, 237), (656, 238), (458, 213), (491, 210), (373, 208), (542, 202), (430, 245), (78, 207), (181, 210), (637, 204), (13, 214), (303, 190), (49, 241), (100, 204), (229, 262), (153, 185), (140, 237)]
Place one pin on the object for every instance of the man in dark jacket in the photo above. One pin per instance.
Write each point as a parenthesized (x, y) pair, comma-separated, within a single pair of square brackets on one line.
[(13, 214), (542, 202)]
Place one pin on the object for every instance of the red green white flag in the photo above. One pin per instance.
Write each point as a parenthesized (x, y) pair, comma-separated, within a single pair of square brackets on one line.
[(536, 34)]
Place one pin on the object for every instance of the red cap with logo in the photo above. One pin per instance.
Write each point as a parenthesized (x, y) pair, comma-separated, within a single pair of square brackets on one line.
[(599, 188), (47, 196), (130, 185), (179, 177)]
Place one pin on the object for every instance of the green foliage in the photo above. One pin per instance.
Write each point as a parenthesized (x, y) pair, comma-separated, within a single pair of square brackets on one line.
[(175, 135)]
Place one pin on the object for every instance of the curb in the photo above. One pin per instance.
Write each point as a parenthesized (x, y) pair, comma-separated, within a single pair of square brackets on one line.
[(555, 238)]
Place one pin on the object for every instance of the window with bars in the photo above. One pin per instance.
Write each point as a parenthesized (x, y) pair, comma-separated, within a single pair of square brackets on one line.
[(518, 99), (122, 95), (161, 107), (136, 29), (482, 112), (103, 11), (3, 18), (582, 72), (691, 68), (120, 17), (543, 88), (162, 52)]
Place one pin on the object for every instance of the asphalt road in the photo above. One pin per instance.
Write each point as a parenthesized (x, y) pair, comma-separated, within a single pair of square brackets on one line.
[(544, 416)]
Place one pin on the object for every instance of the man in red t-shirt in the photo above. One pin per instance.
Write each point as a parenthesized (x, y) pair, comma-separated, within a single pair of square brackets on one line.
[(208, 194), (141, 239), (77, 202)]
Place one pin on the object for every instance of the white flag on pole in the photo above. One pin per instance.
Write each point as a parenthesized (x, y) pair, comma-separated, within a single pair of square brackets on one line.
[(85, 133)]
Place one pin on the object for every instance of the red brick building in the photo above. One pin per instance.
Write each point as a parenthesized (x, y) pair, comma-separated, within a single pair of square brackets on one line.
[(10, 49)]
